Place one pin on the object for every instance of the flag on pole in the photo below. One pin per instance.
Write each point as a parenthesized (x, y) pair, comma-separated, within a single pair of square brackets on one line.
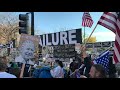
[(111, 20), (87, 20), (103, 60)]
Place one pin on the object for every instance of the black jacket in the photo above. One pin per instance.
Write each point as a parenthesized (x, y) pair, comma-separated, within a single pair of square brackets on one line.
[(88, 64), (112, 68)]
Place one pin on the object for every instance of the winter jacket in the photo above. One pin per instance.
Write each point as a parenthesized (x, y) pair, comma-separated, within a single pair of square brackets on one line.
[(43, 72)]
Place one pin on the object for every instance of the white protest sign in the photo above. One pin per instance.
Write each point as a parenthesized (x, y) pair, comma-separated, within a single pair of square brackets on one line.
[(78, 48), (28, 45)]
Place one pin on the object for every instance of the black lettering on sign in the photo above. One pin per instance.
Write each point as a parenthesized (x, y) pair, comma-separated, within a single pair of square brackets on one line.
[(106, 44), (89, 45), (97, 44)]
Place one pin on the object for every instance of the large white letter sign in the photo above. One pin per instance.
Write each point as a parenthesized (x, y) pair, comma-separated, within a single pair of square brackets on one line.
[(43, 40), (47, 42), (72, 36), (63, 37), (57, 39), (40, 42)]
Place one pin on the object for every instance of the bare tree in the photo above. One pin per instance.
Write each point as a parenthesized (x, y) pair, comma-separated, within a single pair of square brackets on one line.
[(8, 25)]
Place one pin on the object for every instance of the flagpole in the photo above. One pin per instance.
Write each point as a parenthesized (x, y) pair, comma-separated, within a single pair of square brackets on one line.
[(90, 34), (106, 50), (77, 69), (22, 71), (82, 51), (84, 34), (85, 44)]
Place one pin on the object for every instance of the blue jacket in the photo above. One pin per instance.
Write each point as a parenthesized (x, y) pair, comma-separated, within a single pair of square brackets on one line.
[(65, 73), (43, 72)]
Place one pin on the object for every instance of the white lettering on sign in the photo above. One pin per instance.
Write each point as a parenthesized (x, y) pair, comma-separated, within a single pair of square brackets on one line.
[(47, 40), (43, 40), (57, 39), (40, 42), (72, 36), (63, 37), (60, 38)]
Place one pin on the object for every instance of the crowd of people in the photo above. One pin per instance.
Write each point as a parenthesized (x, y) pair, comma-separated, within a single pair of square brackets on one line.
[(27, 65), (78, 68)]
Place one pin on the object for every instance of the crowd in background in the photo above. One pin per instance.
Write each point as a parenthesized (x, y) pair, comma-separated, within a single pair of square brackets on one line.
[(78, 68)]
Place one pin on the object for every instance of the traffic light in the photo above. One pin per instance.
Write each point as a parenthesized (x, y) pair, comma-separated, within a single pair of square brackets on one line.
[(23, 23)]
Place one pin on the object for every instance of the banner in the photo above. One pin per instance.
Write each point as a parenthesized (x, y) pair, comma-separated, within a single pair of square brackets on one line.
[(61, 38), (100, 44), (97, 44), (89, 45), (64, 51), (60, 44), (106, 44)]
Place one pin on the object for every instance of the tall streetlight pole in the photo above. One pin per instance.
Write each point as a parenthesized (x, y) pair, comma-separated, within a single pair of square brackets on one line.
[(32, 23)]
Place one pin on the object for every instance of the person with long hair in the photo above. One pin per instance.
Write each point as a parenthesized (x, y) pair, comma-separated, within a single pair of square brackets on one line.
[(57, 71), (3, 67), (97, 71)]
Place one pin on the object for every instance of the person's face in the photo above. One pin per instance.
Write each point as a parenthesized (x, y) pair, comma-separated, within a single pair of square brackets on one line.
[(28, 51), (93, 73), (55, 64), (47, 63)]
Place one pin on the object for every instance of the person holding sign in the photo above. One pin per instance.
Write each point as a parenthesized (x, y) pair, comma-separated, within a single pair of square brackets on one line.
[(27, 48), (26, 53)]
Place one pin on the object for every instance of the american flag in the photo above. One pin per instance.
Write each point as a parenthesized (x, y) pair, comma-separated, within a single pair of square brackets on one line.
[(87, 20), (111, 20), (103, 60)]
